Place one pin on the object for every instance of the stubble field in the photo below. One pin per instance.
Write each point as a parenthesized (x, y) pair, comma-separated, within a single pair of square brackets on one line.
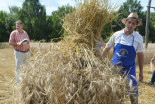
[(7, 69)]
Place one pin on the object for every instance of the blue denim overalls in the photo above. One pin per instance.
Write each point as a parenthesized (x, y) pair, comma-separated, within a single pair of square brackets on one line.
[(124, 56), (153, 77)]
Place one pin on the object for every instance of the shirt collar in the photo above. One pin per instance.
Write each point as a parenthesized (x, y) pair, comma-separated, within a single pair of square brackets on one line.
[(129, 35), (19, 32)]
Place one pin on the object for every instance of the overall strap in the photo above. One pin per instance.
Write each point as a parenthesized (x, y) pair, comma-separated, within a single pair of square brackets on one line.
[(120, 38), (132, 40)]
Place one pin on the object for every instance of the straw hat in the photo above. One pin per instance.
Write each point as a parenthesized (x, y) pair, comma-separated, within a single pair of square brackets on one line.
[(133, 16)]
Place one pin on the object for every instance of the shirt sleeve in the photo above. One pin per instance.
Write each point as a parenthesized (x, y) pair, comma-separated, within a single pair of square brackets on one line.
[(27, 37), (12, 38), (111, 41), (140, 45)]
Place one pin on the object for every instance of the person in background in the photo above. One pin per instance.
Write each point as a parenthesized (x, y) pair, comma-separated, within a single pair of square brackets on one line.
[(20, 41), (100, 44), (153, 74), (127, 44)]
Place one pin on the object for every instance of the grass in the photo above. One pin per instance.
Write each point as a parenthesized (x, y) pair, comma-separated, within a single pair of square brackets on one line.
[(4, 45)]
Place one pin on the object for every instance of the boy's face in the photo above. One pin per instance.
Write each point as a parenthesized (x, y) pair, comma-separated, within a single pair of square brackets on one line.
[(19, 26), (130, 25)]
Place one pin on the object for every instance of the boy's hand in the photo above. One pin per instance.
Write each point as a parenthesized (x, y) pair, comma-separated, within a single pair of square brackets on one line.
[(153, 59), (18, 44)]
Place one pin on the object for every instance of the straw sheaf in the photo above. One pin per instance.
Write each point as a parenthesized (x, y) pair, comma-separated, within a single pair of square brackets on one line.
[(89, 19), (82, 78)]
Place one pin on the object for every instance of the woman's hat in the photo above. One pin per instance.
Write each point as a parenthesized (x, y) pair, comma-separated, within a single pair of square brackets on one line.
[(133, 16)]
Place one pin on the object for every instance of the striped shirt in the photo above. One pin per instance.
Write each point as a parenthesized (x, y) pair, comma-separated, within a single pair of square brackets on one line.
[(16, 37)]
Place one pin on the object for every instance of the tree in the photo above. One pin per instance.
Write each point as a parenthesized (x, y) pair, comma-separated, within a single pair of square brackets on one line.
[(33, 14), (56, 21), (152, 28), (7, 22), (14, 10), (12, 17), (107, 31), (4, 35)]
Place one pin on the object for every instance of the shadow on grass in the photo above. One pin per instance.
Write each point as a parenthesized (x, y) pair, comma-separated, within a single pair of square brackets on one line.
[(149, 72), (147, 84)]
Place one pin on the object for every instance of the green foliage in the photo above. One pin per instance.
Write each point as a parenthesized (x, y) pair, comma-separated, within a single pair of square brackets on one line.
[(130, 6), (106, 33), (4, 35), (152, 17), (13, 16), (56, 21), (14, 11), (152, 28), (7, 22), (141, 29), (33, 14), (107, 39)]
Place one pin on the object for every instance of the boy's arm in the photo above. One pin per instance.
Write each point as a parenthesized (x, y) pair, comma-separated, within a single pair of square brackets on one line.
[(140, 56), (105, 50)]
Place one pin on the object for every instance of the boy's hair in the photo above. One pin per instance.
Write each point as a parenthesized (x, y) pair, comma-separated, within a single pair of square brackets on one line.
[(19, 22)]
